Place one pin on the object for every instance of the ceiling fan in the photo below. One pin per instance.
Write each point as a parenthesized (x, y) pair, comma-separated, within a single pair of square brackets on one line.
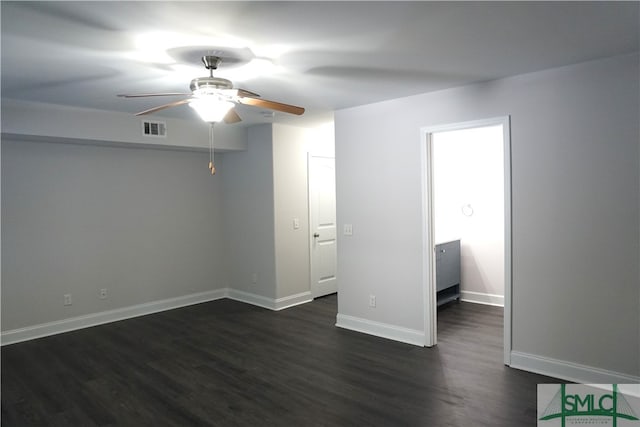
[(214, 98)]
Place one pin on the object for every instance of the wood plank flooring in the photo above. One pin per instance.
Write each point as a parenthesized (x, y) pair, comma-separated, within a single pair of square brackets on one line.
[(226, 363)]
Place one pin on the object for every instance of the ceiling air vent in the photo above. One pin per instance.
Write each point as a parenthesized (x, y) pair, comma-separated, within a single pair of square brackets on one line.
[(158, 129)]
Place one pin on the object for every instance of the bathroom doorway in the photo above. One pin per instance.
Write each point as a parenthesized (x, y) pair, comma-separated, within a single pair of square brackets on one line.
[(468, 218)]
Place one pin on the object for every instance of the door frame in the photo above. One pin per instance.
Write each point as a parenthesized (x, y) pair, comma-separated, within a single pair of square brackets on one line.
[(428, 243)]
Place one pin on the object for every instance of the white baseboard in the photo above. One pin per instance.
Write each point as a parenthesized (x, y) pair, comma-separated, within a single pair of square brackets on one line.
[(292, 300), (269, 303), (94, 319), (66, 325), (383, 330), (569, 371), (482, 298), (253, 299)]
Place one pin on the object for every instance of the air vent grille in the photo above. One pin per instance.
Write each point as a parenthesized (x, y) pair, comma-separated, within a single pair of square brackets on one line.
[(156, 129)]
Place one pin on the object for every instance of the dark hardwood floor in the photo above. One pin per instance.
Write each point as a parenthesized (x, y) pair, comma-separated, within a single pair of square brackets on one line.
[(226, 363)]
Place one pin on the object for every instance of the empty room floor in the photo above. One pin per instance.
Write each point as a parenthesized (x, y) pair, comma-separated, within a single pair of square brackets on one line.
[(226, 363)]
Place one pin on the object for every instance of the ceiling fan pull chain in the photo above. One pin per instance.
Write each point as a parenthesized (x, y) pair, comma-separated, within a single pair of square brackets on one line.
[(212, 168)]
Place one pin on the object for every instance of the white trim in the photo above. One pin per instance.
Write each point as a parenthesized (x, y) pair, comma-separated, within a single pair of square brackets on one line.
[(310, 222), (66, 325), (428, 273), (383, 330), (253, 299), (270, 303), (482, 298), (508, 242), (569, 371), (293, 300), (428, 254), (94, 319)]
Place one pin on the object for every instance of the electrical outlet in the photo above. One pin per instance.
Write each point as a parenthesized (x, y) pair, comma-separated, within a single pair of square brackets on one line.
[(103, 293), (372, 300), (67, 299), (254, 278)]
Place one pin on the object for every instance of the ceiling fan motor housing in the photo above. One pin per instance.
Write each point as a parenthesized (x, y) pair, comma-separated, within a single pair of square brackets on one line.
[(211, 62)]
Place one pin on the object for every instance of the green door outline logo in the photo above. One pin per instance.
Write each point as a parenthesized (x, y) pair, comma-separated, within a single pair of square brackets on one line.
[(565, 405)]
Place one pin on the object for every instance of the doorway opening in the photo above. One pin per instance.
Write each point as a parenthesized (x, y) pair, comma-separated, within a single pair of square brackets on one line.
[(467, 219)]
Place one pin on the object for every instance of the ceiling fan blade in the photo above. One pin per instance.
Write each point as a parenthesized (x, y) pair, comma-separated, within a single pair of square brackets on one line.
[(144, 95), (272, 105), (232, 117), (162, 107), (244, 92)]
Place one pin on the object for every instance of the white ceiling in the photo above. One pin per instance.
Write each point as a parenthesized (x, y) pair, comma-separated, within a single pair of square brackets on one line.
[(325, 55)]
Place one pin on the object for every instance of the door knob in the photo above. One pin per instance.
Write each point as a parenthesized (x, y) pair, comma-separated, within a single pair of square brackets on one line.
[(316, 235)]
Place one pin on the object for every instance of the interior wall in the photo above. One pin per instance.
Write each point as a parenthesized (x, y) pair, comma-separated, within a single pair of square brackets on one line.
[(321, 140), (291, 147), (290, 150), (146, 224), (149, 225), (575, 208), (468, 172), (248, 181)]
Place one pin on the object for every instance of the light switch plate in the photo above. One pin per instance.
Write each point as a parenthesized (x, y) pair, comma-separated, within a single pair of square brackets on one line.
[(348, 230)]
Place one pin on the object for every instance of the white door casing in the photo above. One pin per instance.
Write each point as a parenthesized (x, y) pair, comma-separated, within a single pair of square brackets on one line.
[(323, 229), (428, 243)]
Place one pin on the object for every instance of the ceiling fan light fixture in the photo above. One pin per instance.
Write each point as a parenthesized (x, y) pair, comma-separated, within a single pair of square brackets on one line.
[(211, 109)]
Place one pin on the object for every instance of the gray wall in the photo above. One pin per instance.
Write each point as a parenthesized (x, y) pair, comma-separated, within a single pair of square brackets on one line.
[(144, 223), (575, 185), (150, 224), (290, 148), (249, 214)]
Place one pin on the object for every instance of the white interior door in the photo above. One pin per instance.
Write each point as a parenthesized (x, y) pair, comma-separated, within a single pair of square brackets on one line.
[(322, 220)]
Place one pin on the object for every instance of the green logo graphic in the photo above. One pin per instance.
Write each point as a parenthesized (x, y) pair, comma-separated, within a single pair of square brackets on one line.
[(612, 405)]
